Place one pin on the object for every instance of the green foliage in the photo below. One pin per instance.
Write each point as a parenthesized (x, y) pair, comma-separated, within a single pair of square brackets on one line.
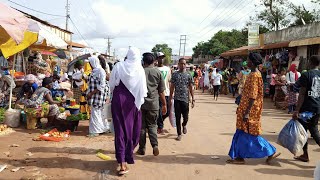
[(300, 14), (222, 41), (167, 51)]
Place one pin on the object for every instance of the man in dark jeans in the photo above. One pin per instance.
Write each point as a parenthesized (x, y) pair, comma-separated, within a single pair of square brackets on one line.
[(309, 101), (150, 108), (181, 85)]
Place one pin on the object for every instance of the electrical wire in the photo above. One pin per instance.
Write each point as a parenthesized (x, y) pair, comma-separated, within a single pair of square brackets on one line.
[(78, 31), (211, 12), (35, 10)]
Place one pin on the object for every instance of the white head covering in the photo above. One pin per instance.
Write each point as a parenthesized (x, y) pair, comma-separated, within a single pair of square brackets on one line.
[(132, 75), (98, 72)]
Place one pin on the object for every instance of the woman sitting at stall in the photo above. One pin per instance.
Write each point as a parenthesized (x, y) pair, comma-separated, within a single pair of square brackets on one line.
[(38, 100), (29, 87)]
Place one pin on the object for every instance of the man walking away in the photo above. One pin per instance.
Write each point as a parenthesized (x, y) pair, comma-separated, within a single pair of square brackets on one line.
[(166, 75), (181, 84), (150, 108), (309, 101)]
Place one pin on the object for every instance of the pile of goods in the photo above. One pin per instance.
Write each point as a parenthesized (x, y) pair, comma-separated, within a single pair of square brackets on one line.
[(53, 135), (77, 117), (4, 130)]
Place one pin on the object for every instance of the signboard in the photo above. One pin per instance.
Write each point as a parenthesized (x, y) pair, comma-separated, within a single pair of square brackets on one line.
[(253, 35)]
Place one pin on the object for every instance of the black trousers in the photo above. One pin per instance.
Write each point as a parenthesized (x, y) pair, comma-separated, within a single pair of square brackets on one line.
[(312, 126), (181, 108), (234, 88), (216, 90)]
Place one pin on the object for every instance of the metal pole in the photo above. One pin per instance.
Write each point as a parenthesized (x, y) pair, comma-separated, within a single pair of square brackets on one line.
[(67, 15)]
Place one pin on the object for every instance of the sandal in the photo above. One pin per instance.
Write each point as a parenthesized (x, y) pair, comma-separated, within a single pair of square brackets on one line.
[(234, 161), (301, 158), (123, 171), (274, 156)]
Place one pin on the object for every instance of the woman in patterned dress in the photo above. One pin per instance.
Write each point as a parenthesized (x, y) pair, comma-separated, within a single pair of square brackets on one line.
[(247, 142), (97, 95)]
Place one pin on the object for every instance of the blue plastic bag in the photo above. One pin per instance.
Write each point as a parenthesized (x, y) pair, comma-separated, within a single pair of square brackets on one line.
[(293, 137)]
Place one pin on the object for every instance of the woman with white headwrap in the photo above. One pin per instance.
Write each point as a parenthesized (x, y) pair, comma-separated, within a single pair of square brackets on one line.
[(96, 96), (128, 83)]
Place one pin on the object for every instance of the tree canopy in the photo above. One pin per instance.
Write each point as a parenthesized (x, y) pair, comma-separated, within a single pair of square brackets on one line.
[(221, 42), (165, 49)]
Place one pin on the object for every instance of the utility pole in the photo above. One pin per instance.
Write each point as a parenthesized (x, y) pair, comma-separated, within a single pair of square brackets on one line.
[(109, 45), (183, 42), (114, 54), (67, 15)]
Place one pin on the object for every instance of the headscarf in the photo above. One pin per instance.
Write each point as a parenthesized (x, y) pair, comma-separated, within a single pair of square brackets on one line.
[(98, 73), (131, 73), (293, 68), (32, 78)]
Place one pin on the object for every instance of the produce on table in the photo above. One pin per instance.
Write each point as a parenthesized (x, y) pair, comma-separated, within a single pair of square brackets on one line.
[(77, 117), (58, 99), (2, 111), (62, 110), (74, 106)]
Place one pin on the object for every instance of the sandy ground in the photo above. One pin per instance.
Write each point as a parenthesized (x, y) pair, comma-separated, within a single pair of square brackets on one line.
[(210, 132)]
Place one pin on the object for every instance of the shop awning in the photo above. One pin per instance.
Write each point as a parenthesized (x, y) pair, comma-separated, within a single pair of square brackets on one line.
[(76, 45), (276, 45), (49, 38), (305, 42), (236, 52)]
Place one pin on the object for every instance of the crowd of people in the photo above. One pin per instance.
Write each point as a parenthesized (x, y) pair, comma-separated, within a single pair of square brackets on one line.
[(142, 96)]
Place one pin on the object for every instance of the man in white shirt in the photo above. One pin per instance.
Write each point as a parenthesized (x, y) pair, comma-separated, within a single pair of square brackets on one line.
[(166, 74), (217, 79)]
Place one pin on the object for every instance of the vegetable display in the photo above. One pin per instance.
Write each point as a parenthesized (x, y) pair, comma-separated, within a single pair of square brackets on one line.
[(77, 117)]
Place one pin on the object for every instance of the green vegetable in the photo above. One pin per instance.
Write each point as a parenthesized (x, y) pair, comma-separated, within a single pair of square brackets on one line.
[(2, 111)]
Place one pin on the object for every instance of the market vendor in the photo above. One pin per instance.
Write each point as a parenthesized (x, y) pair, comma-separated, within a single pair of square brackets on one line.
[(43, 94), (29, 87)]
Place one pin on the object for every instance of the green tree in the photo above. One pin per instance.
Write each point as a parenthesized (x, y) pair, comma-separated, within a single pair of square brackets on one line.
[(222, 41), (165, 49), (301, 15), (274, 15)]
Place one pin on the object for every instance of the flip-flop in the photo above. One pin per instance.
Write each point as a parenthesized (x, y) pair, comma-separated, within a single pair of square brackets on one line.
[(274, 156), (233, 161), (123, 171), (300, 158)]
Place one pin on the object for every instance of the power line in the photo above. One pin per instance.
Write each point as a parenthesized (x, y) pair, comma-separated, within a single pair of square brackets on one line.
[(35, 10), (225, 18), (211, 12), (215, 18), (78, 31)]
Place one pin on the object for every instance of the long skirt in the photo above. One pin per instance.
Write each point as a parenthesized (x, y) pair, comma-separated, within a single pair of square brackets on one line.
[(97, 124), (127, 123), (245, 145)]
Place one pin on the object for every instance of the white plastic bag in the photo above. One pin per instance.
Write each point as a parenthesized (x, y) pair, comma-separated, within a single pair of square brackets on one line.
[(106, 113), (172, 116), (12, 118), (293, 137)]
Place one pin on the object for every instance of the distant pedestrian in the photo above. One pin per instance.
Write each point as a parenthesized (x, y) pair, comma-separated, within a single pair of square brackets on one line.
[(216, 81), (247, 142), (309, 101), (292, 76), (166, 75), (128, 83), (181, 85), (150, 108)]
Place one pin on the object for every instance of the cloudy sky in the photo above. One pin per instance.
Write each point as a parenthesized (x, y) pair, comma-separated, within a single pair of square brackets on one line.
[(144, 23)]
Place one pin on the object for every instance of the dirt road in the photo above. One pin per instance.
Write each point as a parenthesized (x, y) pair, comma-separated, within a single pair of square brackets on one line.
[(210, 132)]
